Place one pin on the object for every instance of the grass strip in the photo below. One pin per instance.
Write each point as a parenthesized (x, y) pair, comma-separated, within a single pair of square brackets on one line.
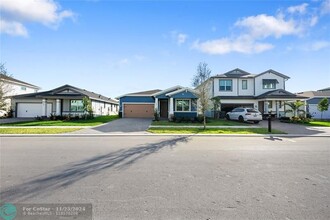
[(81, 122), (320, 123), (211, 122), (37, 130)]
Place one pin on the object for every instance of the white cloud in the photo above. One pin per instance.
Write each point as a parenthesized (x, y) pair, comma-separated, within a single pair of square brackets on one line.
[(300, 9), (325, 7), (262, 26), (241, 44), (18, 12), (12, 28), (313, 21), (318, 45), (179, 38), (139, 57)]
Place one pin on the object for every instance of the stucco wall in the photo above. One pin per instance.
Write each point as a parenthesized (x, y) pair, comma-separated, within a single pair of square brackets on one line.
[(259, 86)]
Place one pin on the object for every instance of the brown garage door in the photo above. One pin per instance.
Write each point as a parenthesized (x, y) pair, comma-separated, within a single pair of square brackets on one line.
[(138, 110)]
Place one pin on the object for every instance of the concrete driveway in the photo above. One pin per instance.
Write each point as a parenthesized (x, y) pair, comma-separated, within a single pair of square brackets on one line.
[(120, 126), (13, 120), (290, 128)]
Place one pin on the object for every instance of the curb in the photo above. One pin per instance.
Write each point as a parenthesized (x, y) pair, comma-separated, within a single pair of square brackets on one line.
[(155, 135)]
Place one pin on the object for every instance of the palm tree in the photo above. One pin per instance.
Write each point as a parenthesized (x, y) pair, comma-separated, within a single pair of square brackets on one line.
[(295, 107)]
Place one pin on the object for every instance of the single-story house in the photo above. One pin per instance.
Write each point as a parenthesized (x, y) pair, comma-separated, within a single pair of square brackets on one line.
[(314, 97), (64, 100), (176, 101)]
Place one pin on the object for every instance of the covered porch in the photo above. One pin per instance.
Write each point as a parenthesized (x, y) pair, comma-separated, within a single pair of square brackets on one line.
[(273, 102), (180, 103)]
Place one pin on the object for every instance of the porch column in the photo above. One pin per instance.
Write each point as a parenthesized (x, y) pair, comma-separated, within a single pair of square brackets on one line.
[(44, 108), (277, 109), (156, 104), (171, 112), (266, 107), (58, 107)]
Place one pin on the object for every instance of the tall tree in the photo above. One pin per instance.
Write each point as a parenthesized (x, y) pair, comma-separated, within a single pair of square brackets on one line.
[(200, 82), (323, 105), (295, 107), (4, 88)]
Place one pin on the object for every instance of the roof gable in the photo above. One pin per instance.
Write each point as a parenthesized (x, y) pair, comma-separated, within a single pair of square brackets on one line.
[(275, 73), (69, 91), (279, 93), (165, 91), (183, 92), (235, 73)]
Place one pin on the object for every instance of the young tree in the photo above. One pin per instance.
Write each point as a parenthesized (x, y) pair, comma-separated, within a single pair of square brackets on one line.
[(295, 107), (87, 105), (4, 88), (216, 106), (323, 105), (200, 81)]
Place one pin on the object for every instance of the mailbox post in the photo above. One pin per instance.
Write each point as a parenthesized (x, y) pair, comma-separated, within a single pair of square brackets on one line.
[(269, 122)]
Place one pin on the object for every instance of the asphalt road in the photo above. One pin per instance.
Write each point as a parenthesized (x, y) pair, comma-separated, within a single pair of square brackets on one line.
[(145, 177)]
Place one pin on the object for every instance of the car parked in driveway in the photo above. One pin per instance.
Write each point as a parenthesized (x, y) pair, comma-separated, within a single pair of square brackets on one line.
[(3, 114), (244, 114)]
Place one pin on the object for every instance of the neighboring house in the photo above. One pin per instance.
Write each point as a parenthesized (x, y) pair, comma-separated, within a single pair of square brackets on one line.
[(64, 100), (314, 97), (176, 101), (265, 91), (14, 86)]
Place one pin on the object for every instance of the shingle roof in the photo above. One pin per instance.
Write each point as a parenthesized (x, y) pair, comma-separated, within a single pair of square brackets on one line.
[(54, 93), (319, 93), (238, 73), (147, 92), (9, 78), (279, 93), (235, 73), (324, 90)]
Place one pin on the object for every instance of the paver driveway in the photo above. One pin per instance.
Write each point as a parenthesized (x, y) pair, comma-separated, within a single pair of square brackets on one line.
[(298, 129), (123, 125)]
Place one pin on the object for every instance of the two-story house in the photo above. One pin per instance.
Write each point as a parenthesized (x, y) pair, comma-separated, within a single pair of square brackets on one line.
[(264, 91), (12, 86)]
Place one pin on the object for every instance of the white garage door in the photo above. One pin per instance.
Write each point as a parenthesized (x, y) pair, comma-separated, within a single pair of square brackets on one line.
[(29, 110), (317, 114)]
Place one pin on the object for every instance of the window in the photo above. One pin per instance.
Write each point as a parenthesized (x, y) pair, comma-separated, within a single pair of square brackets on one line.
[(269, 83), (225, 85), (270, 104), (182, 105), (76, 106), (23, 88), (244, 84)]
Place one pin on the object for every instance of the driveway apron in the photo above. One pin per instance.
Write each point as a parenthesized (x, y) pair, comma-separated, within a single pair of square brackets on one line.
[(120, 126)]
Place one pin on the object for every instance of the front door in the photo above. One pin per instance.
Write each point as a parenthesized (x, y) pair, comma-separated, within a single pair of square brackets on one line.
[(163, 108), (261, 106)]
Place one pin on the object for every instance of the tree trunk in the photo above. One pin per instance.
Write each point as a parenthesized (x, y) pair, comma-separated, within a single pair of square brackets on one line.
[(204, 122)]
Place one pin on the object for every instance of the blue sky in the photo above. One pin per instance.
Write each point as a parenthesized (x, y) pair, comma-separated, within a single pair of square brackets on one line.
[(117, 47)]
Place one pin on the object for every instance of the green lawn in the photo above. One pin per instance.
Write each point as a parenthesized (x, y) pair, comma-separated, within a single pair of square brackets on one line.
[(89, 122), (36, 130), (213, 131), (320, 123), (211, 122)]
